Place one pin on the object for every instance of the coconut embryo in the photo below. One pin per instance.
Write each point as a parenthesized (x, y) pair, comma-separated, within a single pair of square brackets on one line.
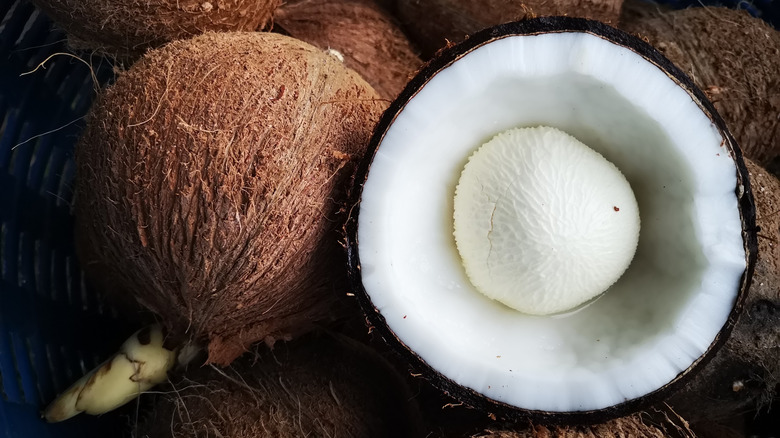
[(551, 222), (542, 222)]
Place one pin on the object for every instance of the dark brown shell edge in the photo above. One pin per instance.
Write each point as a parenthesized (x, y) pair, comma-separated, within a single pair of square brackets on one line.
[(445, 58)]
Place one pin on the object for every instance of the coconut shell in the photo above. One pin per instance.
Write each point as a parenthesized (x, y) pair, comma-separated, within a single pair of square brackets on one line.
[(433, 24), (326, 386), (210, 178), (734, 58), (367, 37), (128, 27), (744, 373)]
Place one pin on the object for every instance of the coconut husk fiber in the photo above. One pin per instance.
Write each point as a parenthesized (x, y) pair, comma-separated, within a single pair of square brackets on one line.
[(324, 386), (210, 179), (633, 426), (433, 24), (745, 372), (126, 28), (368, 38), (733, 57)]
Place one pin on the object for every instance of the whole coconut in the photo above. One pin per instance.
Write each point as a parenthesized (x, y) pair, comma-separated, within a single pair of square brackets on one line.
[(745, 372), (326, 386), (732, 56), (432, 24), (210, 178), (128, 27), (367, 37)]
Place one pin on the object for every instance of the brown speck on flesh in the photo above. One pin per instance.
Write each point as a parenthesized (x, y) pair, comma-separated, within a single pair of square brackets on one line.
[(616, 208)]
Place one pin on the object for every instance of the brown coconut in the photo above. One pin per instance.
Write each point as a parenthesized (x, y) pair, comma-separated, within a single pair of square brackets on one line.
[(633, 426), (433, 24), (733, 57), (745, 372), (128, 27), (368, 38), (326, 386), (210, 178)]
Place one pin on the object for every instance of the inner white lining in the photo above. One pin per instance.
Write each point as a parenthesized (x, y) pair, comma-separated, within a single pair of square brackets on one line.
[(653, 323)]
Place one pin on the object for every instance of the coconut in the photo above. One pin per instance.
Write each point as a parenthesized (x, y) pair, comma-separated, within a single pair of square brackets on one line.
[(129, 27), (367, 37), (733, 57), (639, 340), (745, 373), (433, 24), (210, 178), (632, 426), (326, 386)]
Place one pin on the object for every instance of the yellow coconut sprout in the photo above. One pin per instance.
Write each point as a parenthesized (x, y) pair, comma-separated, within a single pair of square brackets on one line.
[(141, 362)]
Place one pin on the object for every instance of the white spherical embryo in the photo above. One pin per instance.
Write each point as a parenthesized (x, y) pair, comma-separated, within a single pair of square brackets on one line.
[(542, 222)]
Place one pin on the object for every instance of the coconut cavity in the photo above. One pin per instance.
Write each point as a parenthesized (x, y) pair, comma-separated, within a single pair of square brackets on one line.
[(323, 386), (532, 201), (210, 179), (367, 37), (650, 328), (129, 27), (734, 58), (434, 24)]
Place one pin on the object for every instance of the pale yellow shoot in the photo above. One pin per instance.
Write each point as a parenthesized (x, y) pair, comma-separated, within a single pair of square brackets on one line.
[(141, 363)]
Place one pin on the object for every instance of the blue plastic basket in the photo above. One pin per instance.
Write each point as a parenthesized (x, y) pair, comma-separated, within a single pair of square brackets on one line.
[(53, 328)]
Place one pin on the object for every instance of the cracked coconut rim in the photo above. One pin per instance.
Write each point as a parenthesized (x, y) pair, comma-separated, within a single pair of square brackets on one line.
[(649, 331)]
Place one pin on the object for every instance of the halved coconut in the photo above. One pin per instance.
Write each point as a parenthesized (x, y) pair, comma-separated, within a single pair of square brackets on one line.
[(633, 343)]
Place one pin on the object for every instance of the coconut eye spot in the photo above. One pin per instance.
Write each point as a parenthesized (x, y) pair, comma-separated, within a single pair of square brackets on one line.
[(535, 221)]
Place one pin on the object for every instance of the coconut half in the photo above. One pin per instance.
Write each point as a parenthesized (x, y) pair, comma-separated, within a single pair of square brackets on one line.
[(637, 341)]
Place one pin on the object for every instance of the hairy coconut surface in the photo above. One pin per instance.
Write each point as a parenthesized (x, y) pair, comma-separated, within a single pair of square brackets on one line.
[(633, 426), (633, 10), (325, 386), (433, 24), (733, 57), (368, 38), (745, 372), (128, 27), (209, 178)]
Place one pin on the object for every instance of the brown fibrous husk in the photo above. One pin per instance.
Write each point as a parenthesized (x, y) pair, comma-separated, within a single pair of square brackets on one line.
[(733, 57), (433, 24), (745, 372), (324, 386), (634, 426), (369, 39), (126, 28), (210, 180)]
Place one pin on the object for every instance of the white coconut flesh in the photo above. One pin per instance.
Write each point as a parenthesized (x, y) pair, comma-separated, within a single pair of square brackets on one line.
[(653, 323), (542, 222)]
